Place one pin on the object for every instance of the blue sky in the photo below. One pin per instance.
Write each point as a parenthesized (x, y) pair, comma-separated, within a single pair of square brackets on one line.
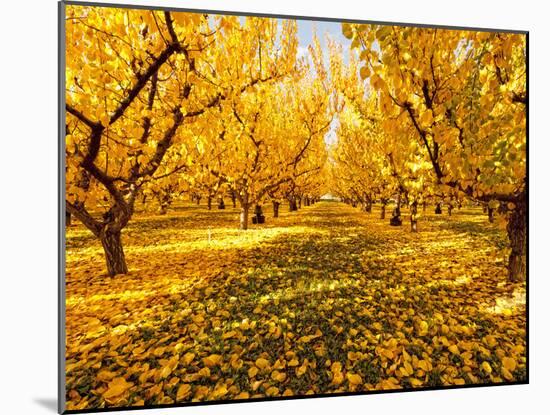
[(306, 29)]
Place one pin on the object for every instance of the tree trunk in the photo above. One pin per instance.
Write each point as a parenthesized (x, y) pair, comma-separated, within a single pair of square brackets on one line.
[(450, 209), (424, 207), (67, 218), (299, 203), (234, 199), (276, 209), (517, 234), (292, 206), (198, 200), (414, 219), (438, 209), (114, 253), (383, 211), (244, 217), (490, 214), (162, 209), (209, 202), (221, 203)]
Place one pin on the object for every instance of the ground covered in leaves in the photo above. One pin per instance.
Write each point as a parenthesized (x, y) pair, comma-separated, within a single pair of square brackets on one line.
[(325, 300)]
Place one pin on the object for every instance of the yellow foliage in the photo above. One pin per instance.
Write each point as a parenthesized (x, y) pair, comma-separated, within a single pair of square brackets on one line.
[(117, 387), (354, 379), (184, 390)]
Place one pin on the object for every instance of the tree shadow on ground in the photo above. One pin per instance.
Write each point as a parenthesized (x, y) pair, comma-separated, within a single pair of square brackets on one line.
[(354, 283)]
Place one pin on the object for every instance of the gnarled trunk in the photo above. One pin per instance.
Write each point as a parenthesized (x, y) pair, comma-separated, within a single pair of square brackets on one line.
[(414, 219), (367, 206), (276, 209), (292, 206), (517, 234), (491, 214), (244, 217), (114, 253)]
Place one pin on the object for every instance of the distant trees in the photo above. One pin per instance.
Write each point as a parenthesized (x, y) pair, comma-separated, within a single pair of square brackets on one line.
[(160, 103), (460, 97)]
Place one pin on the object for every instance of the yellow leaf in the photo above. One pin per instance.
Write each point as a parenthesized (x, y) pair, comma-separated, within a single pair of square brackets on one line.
[(117, 387), (188, 358), (159, 351), (415, 382), (294, 362), (272, 391), (278, 376), (506, 373), (205, 372), (426, 118), (354, 356), (183, 391), (219, 391), (422, 328), (337, 378), (408, 368), (243, 395), (424, 365), (486, 367), (165, 372), (454, 349), (509, 363), (302, 369), (262, 363), (354, 379), (212, 360), (253, 371), (229, 334), (105, 375)]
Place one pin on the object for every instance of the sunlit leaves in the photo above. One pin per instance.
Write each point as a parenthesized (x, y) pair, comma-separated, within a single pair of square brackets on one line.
[(460, 95), (116, 388)]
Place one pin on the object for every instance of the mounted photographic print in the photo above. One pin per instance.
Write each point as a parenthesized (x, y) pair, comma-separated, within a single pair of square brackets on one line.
[(274, 207)]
